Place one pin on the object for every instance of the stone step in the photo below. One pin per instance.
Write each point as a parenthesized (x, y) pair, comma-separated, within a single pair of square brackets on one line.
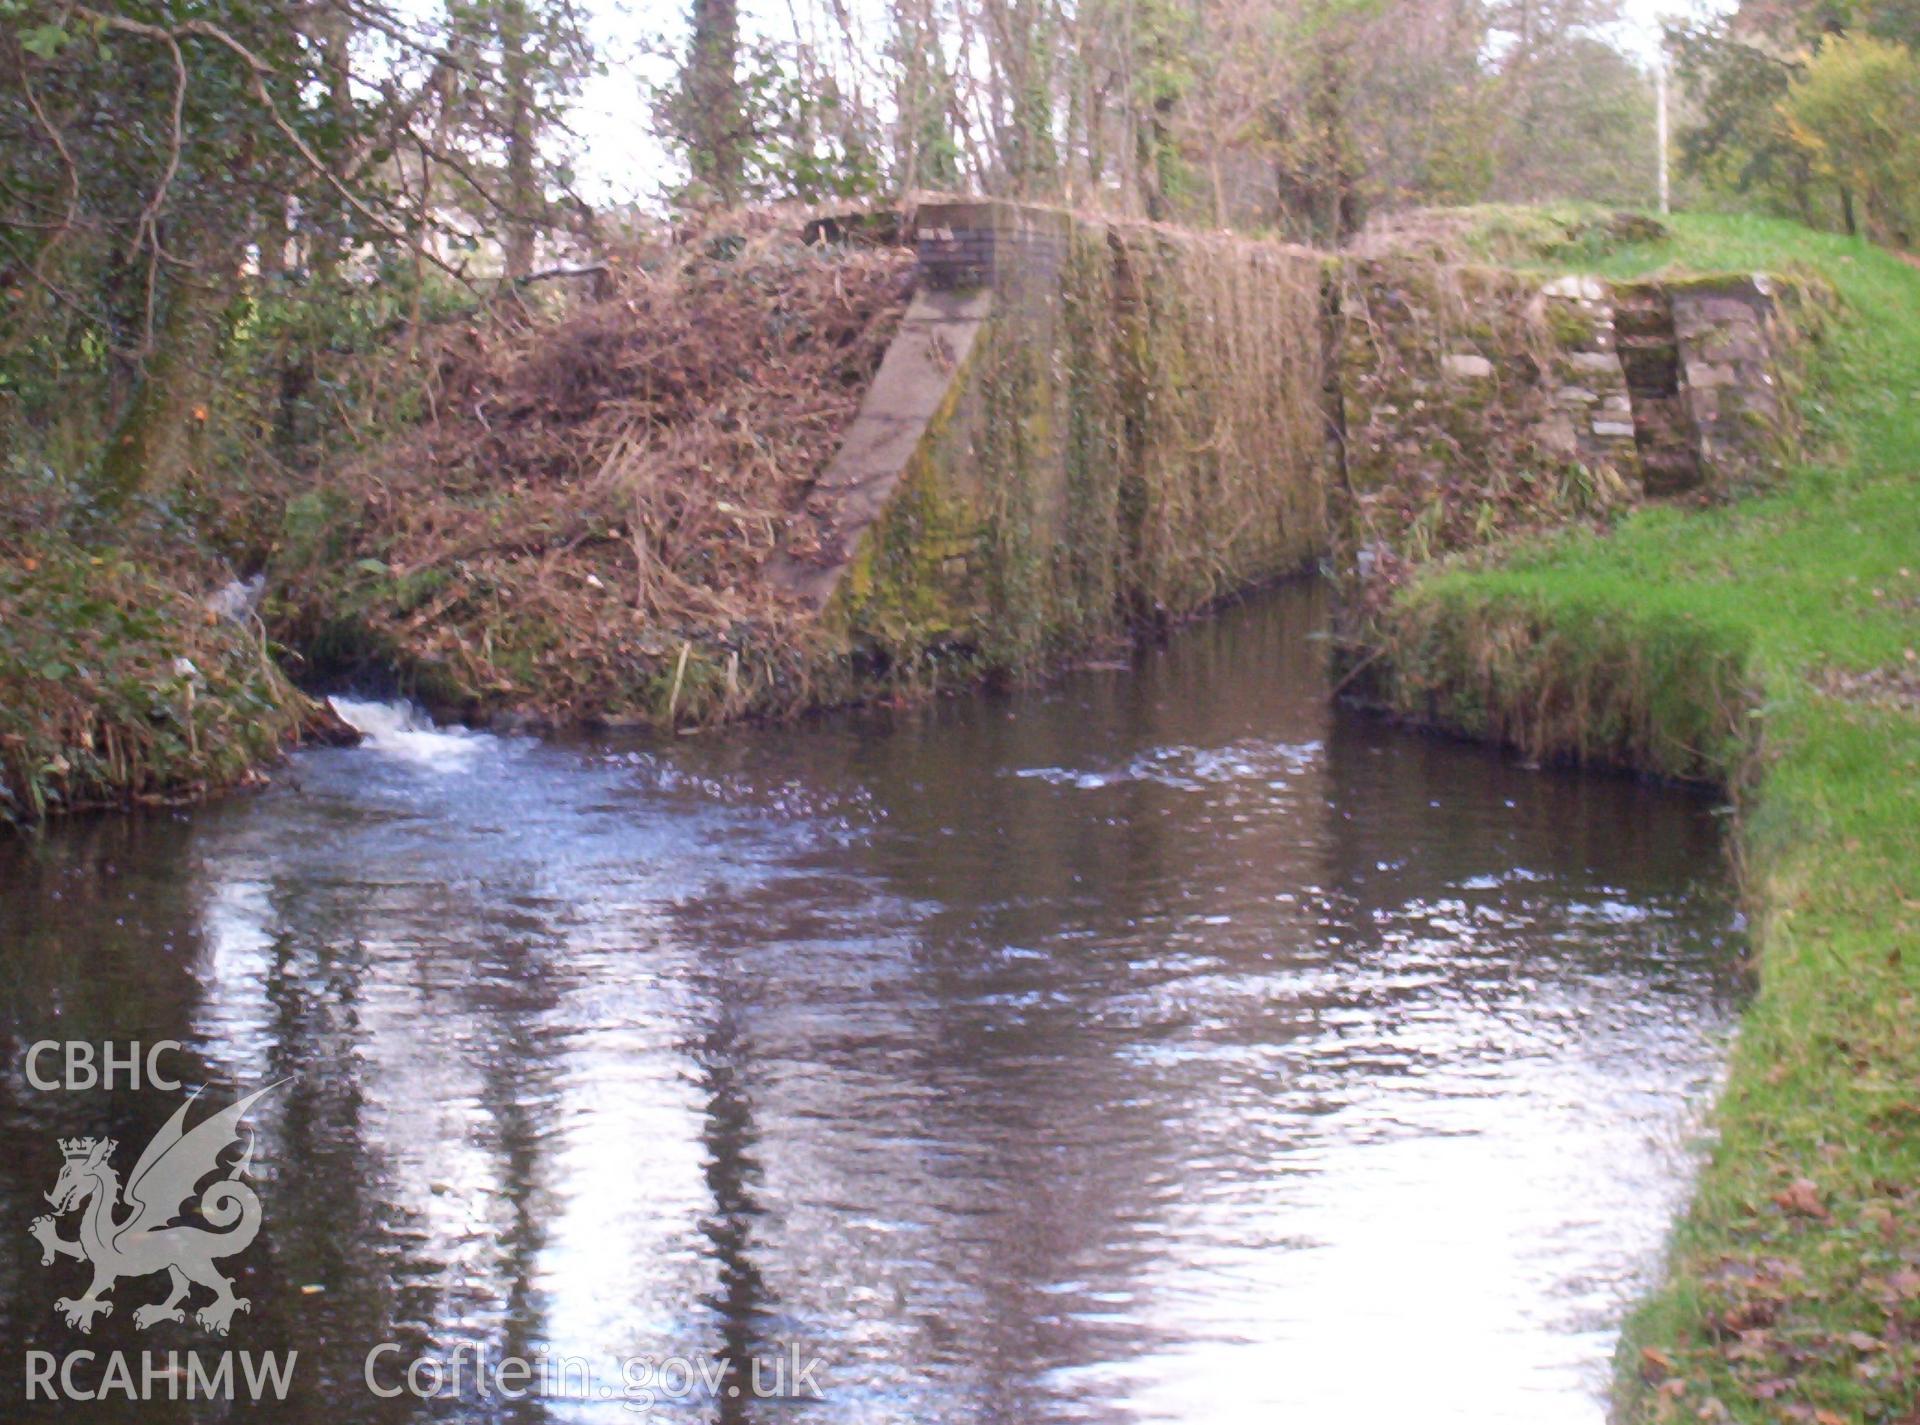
[(1652, 373), (1663, 429), (1662, 416), (1640, 321), (1670, 472)]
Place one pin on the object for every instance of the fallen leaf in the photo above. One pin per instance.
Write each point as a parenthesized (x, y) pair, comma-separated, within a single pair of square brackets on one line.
[(1803, 1198)]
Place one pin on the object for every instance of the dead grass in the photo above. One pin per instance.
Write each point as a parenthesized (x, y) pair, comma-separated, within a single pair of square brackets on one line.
[(1894, 686), (576, 525)]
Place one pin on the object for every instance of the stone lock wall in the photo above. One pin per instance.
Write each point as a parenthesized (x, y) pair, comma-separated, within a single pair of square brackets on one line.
[(985, 243), (1734, 347), (1711, 363), (1473, 401), (1476, 401), (1110, 424), (1592, 417), (1085, 425)]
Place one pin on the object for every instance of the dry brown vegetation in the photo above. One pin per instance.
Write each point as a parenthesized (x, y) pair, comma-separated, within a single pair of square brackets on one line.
[(574, 525)]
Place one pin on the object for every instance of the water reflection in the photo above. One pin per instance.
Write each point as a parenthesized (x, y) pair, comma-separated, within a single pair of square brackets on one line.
[(1153, 1046)]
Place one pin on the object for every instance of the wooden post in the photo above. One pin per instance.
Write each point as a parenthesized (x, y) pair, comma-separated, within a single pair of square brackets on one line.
[(1660, 125)]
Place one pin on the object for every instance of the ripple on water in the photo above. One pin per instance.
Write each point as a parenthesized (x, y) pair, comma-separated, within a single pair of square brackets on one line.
[(1147, 1047)]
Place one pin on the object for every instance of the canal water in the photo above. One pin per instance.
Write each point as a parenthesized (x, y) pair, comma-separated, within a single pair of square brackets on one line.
[(1161, 1044)]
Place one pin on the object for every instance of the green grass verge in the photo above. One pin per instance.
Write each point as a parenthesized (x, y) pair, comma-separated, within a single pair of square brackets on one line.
[(1771, 645)]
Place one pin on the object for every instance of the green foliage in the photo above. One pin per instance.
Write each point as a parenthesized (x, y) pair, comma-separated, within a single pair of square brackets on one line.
[(1459, 164), (1375, 108), (926, 150), (790, 134), (810, 144), (1163, 39), (178, 176), (1808, 108), (1856, 112), (117, 686), (156, 402), (122, 220), (1739, 144), (1582, 128)]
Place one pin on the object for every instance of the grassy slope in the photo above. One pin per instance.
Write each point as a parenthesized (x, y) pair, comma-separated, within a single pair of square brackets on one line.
[(117, 686), (1794, 1283)]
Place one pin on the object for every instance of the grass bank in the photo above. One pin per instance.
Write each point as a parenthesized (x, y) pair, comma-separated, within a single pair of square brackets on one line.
[(1773, 645), (119, 684)]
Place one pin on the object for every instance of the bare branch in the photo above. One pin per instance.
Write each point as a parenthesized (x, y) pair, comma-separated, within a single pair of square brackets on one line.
[(149, 219), (258, 70), (56, 232)]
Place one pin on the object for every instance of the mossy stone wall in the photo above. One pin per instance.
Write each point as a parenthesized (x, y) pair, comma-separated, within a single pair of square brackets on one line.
[(1138, 422), (1732, 335), (1137, 431), (1473, 400)]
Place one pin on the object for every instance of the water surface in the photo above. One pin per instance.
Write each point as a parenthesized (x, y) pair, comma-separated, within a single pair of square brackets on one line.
[(1158, 1045)]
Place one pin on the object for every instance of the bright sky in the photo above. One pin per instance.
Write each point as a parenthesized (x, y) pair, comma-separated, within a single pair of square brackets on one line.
[(621, 161)]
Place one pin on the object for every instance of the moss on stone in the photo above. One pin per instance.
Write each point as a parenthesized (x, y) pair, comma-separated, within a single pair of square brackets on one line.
[(1569, 326), (1131, 442)]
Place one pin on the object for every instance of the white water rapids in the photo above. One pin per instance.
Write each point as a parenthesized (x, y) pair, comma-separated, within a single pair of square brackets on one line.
[(404, 730)]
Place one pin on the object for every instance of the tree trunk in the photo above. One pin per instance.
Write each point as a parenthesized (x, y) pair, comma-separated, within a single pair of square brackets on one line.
[(1337, 209), (716, 122), (1156, 153), (523, 183), (333, 34), (272, 239), (152, 448)]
